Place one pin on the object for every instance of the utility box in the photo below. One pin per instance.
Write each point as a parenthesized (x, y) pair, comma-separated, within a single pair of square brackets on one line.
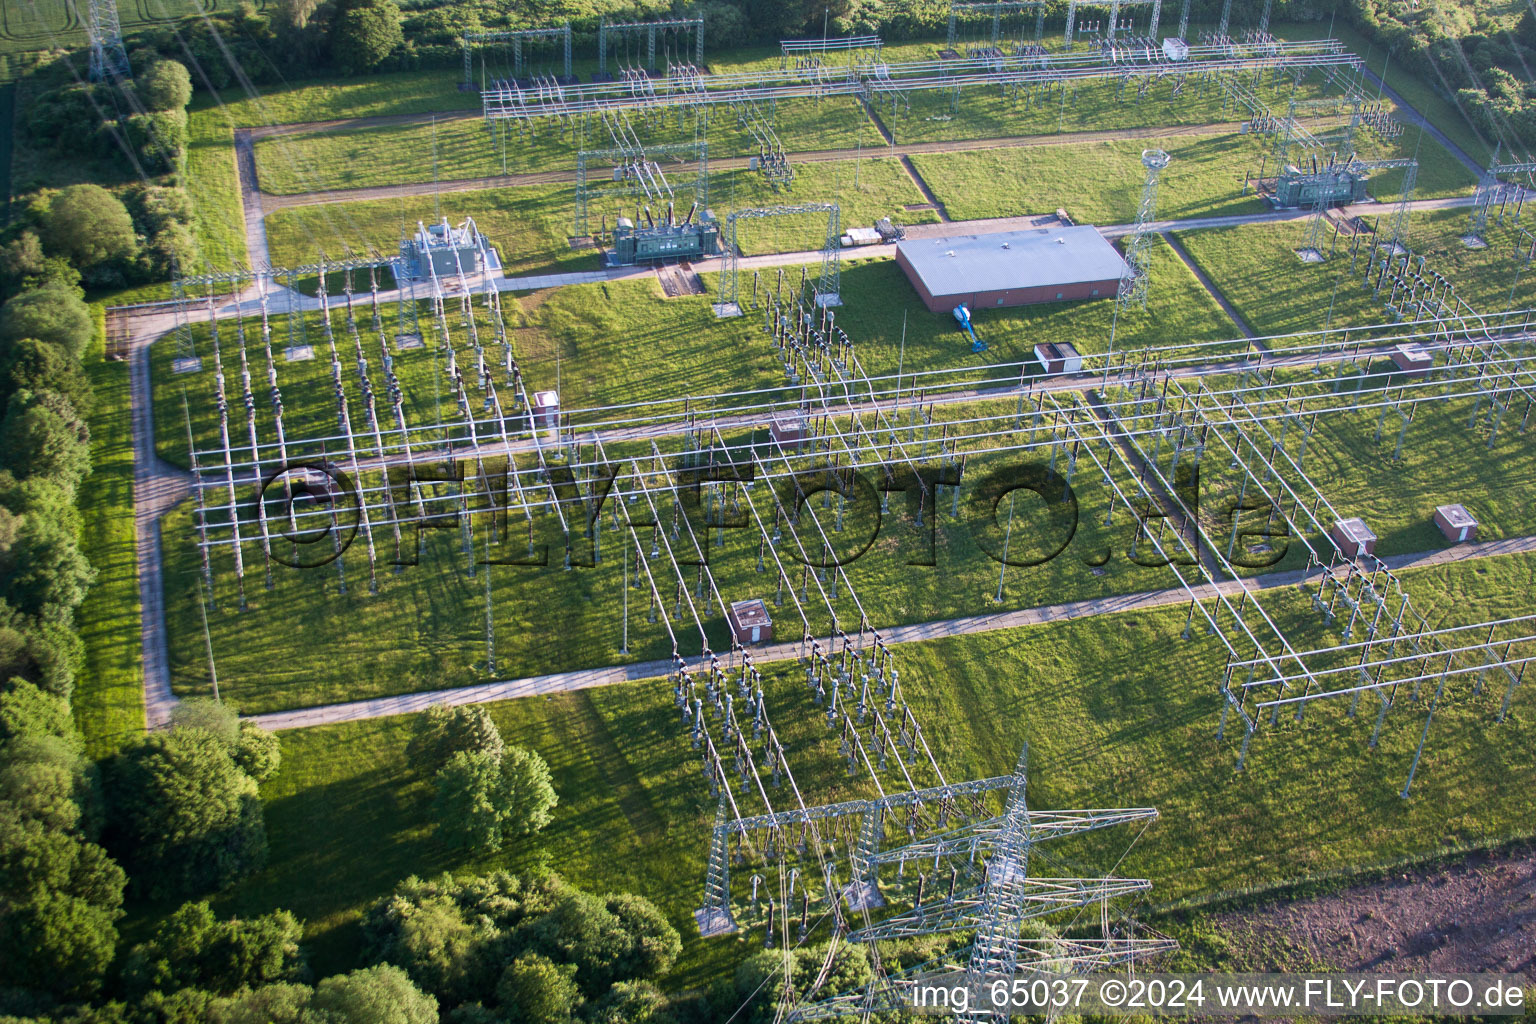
[(1456, 523), (749, 622), (546, 410), (1058, 357), (1175, 48), (1353, 537), (787, 429), (1413, 360)]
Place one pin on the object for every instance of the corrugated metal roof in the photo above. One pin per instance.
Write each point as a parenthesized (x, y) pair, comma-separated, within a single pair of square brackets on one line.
[(1037, 258)]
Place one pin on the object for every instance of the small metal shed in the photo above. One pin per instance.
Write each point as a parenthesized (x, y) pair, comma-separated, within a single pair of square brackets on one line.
[(546, 409), (1058, 357)]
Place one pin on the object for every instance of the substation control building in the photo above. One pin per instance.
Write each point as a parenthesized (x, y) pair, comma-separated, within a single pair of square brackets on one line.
[(442, 250), (1012, 268)]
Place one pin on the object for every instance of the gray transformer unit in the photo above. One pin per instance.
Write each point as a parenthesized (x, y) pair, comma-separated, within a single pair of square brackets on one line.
[(695, 236), (441, 250), (1342, 185)]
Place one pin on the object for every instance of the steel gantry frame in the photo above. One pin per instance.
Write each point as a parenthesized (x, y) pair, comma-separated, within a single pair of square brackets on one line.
[(507, 100), (797, 47), (828, 288), (649, 30), (1115, 6), (1492, 188), (995, 9), (635, 168), (516, 37), (1009, 892), (1151, 414)]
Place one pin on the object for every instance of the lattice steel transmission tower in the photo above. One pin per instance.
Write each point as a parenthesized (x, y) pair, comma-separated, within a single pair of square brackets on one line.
[(109, 60), (1138, 248), (997, 905)]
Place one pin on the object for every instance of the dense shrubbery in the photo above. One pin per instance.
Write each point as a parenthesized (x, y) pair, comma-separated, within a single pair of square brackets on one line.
[(1469, 57), (490, 943), (86, 233)]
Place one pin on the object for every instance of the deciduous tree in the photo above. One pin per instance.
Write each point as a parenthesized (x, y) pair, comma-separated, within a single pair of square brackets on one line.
[(90, 226), (183, 816)]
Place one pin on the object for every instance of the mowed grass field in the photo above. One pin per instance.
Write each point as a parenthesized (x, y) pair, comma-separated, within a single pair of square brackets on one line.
[(31, 25), (530, 226), (1101, 182), (109, 699), (1256, 268), (467, 147), (1118, 711)]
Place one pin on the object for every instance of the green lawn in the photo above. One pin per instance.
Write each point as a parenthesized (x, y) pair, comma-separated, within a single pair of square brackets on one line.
[(374, 95), (1101, 182), (1092, 105), (466, 147), (34, 25), (1256, 267), (214, 187), (211, 177), (1097, 183), (1118, 712), (109, 696), (528, 226), (531, 225)]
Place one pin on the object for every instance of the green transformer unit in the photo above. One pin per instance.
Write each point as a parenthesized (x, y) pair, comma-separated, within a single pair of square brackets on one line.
[(1294, 187), (687, 239)]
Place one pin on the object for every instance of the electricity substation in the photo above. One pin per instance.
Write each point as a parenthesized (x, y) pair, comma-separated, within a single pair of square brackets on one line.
[(341, 414)]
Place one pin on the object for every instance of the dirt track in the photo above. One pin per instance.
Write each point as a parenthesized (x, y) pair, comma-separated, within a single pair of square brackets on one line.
[(1478, 915)]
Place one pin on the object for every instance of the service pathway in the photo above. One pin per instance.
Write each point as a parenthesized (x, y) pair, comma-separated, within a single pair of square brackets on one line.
[(564, 682)]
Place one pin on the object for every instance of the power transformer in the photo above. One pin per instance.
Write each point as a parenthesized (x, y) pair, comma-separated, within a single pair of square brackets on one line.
[(690, 238)]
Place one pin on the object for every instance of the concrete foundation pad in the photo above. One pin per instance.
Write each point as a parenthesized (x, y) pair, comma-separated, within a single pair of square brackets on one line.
[(862, 896), (713, 922), (188, 364)]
